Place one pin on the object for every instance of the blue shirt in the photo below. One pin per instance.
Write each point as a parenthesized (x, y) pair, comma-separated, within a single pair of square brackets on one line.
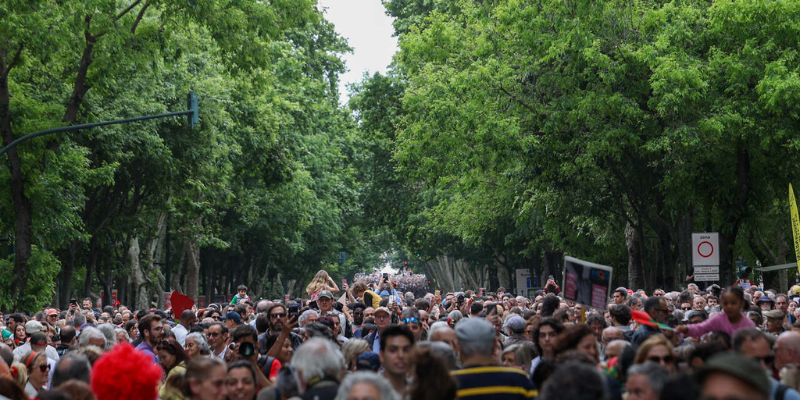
[(146, 349)]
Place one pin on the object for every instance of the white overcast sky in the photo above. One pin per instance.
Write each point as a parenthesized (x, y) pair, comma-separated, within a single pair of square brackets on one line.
[(368, 30)]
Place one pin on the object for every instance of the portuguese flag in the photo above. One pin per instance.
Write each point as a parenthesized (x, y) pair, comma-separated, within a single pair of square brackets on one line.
[(644, 319)]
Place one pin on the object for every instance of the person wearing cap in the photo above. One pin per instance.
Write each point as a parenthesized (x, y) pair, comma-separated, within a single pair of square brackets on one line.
[(52, 318), (231, 320), (754, 344), (482, 377), (325, 303), (731, 375), (765, 303), (383, 317), (515, 325), (774, 325), (32, 327)]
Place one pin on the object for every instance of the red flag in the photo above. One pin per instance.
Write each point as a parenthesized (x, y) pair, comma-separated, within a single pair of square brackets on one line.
[(180, 302)]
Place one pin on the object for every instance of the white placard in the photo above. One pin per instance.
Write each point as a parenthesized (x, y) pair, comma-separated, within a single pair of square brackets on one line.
[(523, 281), (705, 249), (706, 277), (706, 270)]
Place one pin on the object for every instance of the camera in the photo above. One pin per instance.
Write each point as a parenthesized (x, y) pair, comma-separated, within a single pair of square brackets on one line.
[(247, 349)]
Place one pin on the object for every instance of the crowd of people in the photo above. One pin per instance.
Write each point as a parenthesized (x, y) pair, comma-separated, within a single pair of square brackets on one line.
[(376, 343), (415, 284)]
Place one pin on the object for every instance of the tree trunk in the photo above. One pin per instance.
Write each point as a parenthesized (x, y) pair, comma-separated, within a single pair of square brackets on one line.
[(633, 241), (22, 205), (192, 286), (138, 276)]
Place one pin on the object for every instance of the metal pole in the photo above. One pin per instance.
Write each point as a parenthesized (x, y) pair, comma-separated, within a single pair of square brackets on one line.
[(192, 112)]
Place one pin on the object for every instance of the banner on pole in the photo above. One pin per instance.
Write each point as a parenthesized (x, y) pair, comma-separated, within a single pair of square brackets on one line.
[(795, 225)]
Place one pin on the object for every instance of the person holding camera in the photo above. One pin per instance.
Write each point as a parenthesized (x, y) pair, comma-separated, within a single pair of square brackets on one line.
[(244, 346)]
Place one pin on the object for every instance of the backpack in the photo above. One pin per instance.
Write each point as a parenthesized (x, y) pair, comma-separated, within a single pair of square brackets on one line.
[(267, 366)]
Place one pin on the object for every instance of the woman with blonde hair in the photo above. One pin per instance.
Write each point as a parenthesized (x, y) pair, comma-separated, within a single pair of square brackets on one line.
[(320, 283), (351, 350), (658, 349)]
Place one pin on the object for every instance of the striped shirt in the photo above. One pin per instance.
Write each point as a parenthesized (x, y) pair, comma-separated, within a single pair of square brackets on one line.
[(493, 383)]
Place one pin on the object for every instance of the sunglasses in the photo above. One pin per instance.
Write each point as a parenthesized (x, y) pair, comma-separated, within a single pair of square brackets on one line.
[(277, 315), (44, 368), (686, 308), (665, 359), (410, 320)]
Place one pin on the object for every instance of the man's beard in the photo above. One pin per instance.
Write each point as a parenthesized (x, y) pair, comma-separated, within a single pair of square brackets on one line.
[(276, 327)]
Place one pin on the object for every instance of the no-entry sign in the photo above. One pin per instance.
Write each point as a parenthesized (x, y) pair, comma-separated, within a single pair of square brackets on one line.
[(705, 249)]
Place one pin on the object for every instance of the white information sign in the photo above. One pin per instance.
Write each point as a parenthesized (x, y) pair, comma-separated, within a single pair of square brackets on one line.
[(706, 270), (705, 249), (706, 277), (523, 281)]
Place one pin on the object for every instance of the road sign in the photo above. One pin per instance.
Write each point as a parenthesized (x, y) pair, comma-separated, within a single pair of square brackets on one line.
[(706, 270), (706, 277), (705, 249)]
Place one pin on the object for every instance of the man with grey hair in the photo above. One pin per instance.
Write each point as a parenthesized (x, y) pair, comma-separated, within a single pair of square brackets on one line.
[(477, 339), (308, 316), (441, 332), (443, 351), (318, 365), (516, 331), (110, 334), (350, 390), (91, 336), (645, 381)]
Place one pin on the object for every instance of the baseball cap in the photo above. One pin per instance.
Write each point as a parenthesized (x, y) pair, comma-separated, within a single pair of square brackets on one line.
[(774, 314), (52, 311), (233, 315), (326, 293), (796, 290), (369, 360), (38, 339), (32, 327), (382, 309), (739, 366)]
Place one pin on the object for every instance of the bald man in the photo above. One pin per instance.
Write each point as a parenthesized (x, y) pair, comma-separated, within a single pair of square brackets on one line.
[(614, 349), (787, 350)]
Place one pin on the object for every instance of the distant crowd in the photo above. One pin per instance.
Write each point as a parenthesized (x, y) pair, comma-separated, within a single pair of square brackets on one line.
[(383, 342)]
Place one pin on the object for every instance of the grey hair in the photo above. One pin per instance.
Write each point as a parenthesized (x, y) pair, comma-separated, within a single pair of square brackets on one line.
[(109, 331), (435, 327), (304, 316), (118, 330), (89, 332), (369, 378), (201, 341), (78, 320), (521, 299), (656, 375), (317, 358), (455, 315), (476, 337), (442, 350)]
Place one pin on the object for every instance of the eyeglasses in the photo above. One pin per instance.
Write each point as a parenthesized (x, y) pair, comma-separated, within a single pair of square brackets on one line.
[(410, 320), (277, 315), (665, 359), (44, 368)]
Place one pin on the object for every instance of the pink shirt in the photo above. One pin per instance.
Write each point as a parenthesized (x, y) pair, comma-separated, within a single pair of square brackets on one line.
[(719, 323)]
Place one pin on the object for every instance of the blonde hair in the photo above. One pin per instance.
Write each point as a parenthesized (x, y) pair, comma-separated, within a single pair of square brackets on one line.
[(352, 349), (319, 281), (653, 341), (21, 376)]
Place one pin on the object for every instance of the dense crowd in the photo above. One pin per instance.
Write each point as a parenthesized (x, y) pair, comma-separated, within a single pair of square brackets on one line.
[(720, 344), (415, 284)]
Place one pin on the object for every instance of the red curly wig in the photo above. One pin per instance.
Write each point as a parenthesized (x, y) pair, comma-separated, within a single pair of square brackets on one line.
[(125, 374)]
